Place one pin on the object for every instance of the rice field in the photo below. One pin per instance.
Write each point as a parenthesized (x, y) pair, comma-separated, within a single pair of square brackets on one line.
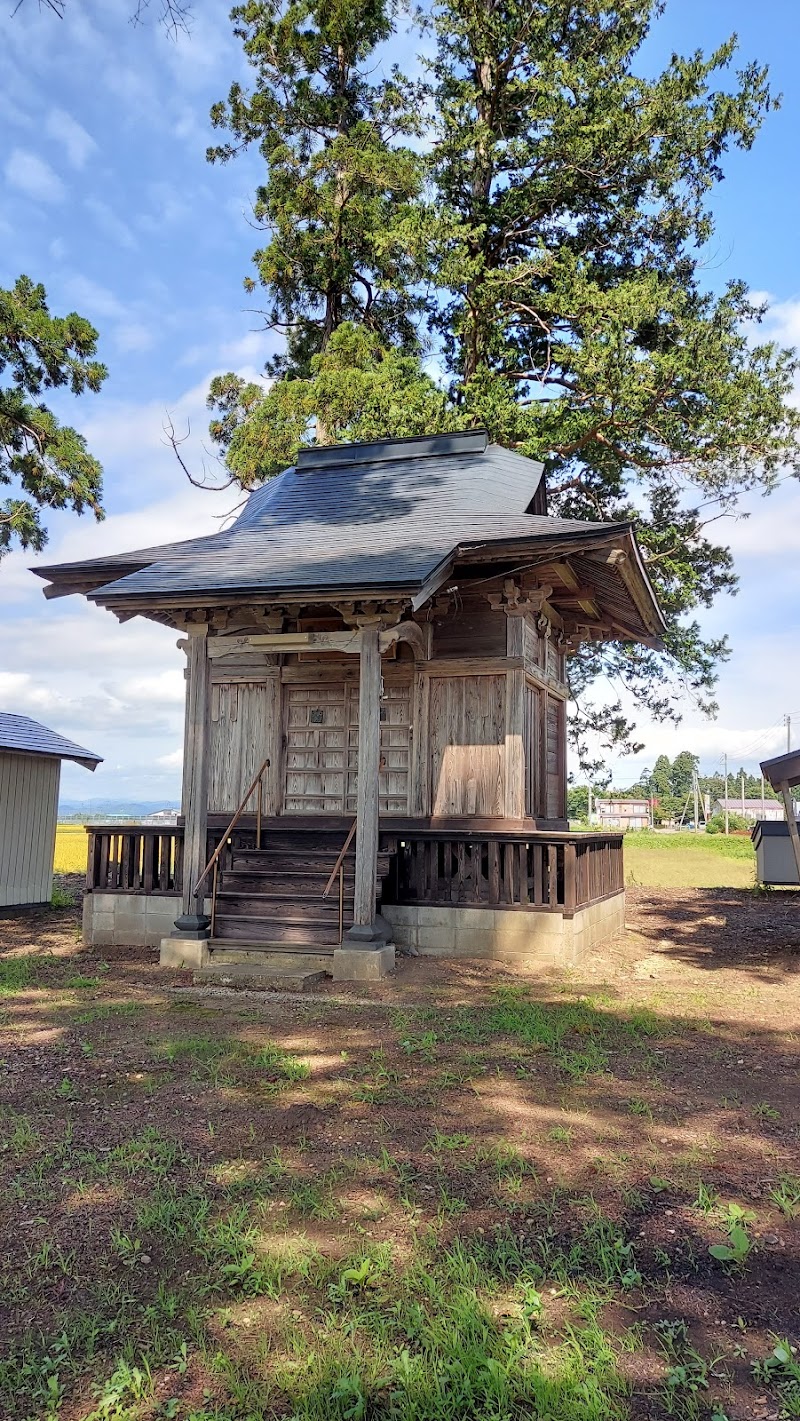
[(70, 855)]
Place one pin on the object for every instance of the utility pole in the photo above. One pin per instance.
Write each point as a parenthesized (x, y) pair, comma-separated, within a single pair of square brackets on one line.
[(787, 720), (696, 788), (727, 828), (744, 816), (590, 806), (763, 806)]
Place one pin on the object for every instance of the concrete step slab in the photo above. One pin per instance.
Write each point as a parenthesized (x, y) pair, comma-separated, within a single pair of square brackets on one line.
[(262, 979)]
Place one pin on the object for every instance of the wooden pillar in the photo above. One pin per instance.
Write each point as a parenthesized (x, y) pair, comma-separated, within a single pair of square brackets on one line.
[(515, 720), (196, 764), (791, 821), (367, 804)]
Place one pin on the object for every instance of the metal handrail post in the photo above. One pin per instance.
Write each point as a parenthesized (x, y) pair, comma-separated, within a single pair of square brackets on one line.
[(235, 820), (341, 902), (214, 896), (259, 808)]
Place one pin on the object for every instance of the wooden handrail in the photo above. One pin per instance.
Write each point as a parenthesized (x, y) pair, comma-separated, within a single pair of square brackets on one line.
[(235, 820), (345, 846)]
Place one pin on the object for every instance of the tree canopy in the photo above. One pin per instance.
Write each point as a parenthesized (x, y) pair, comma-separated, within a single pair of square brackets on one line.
[(47, 461), (533, 220)]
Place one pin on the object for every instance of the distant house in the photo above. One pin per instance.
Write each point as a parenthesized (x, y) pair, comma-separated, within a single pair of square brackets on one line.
[(622, 813), (30, 771), (768, 810)]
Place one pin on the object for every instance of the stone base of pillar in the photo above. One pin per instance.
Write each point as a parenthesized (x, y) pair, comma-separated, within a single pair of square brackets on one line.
[(375, 934), (367, 963), (188, 952), (192, 925)]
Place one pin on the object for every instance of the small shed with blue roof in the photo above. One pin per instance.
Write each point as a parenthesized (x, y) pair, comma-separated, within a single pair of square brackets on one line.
[(30, 772)]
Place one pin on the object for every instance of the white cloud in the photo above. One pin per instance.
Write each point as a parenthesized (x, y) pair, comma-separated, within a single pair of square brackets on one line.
[(110, 224), (781, 322), (254, 346), (772, 527), (33, 176), (132, 335), (93, 298), (64, 129), (166, 208), (173, 760)]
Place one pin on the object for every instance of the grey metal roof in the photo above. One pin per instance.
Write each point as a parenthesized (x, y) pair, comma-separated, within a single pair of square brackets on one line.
[(349, 518), (782, 768), (324, 524), (21, 734)]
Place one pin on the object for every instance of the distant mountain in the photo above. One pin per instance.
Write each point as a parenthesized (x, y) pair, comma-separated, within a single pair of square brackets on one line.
[(113, 808)]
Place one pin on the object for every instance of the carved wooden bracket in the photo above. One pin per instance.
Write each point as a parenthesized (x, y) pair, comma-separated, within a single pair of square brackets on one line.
[(418, 638), (516, 600)]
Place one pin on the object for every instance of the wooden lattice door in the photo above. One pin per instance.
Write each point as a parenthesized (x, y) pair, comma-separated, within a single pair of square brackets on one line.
[(321, 754), (315, 758), (393, 780)]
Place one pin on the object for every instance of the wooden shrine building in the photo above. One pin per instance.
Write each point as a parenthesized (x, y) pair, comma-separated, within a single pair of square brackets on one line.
[(377, 696)]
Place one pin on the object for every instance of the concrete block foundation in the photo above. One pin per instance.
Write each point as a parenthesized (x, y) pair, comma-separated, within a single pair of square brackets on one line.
[(508, 934), (128, 919)]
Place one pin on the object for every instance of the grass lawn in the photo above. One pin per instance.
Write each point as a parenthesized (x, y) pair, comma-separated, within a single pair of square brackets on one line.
[(458, 1194), (687, 860)]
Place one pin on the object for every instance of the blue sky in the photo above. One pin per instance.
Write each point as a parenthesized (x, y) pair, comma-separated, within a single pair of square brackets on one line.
[(106, 197)]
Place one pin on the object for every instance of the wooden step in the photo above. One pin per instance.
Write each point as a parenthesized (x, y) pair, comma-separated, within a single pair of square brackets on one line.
[(288, 908), (273, 929), (287, 863), (266, 892), (308, 884)]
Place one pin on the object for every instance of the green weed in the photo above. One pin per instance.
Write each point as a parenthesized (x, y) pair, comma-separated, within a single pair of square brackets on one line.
[(780, 1371), (766, 1112), (786, 1195), (17, 973)]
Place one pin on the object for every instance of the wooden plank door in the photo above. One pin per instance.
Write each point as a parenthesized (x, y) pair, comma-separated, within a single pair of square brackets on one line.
[(555, 740), (315, 761), (394, 776)]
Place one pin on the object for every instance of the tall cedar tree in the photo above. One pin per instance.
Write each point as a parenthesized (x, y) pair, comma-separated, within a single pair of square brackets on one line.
[(574, 216), (339, 177), (48, 460), (560, 242)]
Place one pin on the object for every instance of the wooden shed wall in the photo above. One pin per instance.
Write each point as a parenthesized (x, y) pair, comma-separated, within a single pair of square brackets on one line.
[(28, 814)]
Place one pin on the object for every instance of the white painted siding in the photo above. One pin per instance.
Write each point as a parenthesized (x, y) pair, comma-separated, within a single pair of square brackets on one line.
[(28, 813)]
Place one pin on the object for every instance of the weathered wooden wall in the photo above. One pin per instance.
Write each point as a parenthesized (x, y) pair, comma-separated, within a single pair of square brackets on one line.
[(245, 730), (466, 745), (469, 627), (28, 814), (476, 730)]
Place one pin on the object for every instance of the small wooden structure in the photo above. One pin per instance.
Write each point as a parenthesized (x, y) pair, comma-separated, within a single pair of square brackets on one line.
[(30, 771), (376, 698), (783, 773)]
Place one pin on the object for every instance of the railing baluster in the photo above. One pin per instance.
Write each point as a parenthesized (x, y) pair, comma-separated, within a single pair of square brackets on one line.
[(494, 872), (476, 866), (523, 852), (538, 875), (570, 885)]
